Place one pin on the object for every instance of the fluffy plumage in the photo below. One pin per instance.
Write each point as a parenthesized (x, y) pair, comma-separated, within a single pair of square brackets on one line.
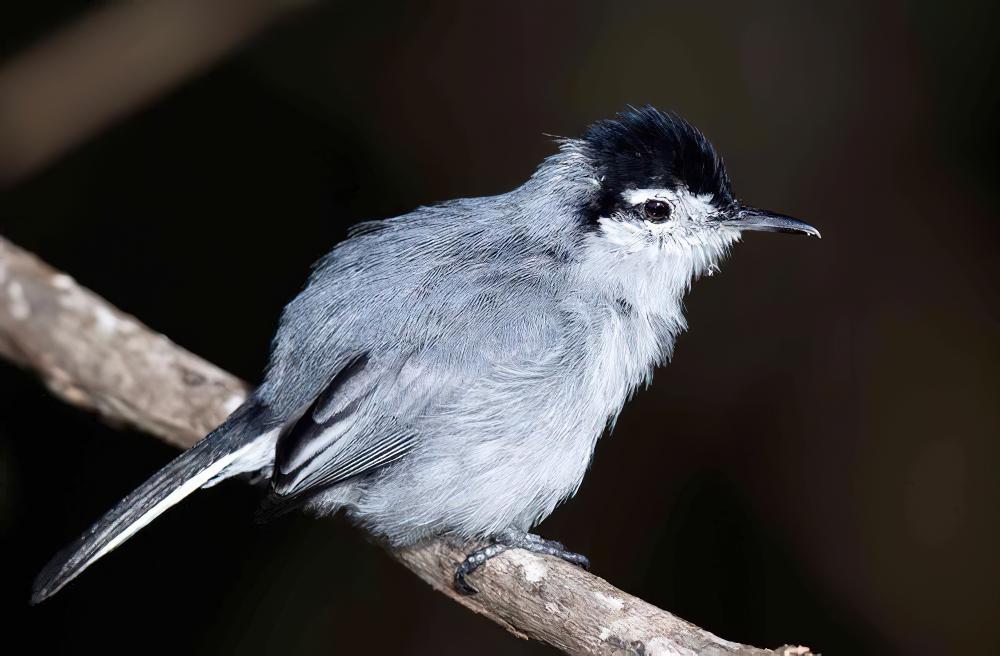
[(449, 371)]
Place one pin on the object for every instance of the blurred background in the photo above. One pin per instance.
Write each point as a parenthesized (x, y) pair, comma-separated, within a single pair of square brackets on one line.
[(818, 464)]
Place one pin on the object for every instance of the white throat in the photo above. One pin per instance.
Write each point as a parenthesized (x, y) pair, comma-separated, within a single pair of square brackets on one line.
[(653, 269), (650, 268)]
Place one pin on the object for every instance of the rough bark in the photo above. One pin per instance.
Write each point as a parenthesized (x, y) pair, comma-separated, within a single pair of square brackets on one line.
[(98, 358)]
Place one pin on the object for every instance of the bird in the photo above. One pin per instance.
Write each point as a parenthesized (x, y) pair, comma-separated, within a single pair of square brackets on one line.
[(448, 372)]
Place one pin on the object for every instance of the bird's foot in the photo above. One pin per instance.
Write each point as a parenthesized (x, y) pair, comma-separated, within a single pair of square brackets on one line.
[(526, 541)]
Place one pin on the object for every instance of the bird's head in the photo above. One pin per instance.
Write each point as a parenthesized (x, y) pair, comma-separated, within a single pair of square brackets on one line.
[(659, 186)]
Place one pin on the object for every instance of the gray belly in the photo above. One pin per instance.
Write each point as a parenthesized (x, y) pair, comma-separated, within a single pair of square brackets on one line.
[(480, 484)]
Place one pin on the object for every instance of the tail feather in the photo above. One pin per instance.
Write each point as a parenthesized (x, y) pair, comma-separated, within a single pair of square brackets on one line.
[(202, 463), (273, 506)]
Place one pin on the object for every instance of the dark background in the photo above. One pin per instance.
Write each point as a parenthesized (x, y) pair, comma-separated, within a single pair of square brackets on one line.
[(817, 465)]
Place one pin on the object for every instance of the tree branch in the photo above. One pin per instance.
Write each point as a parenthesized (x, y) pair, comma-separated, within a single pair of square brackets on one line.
[(96, 357)]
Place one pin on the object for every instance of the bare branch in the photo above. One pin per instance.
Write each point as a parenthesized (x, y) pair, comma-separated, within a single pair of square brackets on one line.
[(96, 357)]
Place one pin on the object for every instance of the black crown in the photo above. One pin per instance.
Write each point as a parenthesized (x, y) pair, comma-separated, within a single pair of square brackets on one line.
[(645, 148)]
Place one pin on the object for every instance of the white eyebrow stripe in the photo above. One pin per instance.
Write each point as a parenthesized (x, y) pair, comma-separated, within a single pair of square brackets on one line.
[(691, 205), (639, 196)]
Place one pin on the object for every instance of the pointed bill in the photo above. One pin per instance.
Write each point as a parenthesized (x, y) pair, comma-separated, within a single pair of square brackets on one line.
[(751, 218)]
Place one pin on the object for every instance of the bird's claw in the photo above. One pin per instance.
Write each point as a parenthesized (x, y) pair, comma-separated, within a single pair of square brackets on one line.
[(463, 586), (527, 541)]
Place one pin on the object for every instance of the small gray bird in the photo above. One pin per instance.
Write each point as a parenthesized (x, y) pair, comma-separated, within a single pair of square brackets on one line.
[(448, 372)]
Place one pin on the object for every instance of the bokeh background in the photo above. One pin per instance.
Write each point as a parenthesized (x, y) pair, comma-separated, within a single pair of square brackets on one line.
[(817, 465)]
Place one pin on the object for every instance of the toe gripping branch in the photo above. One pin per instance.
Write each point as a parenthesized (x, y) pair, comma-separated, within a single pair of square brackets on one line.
[(527, 541)]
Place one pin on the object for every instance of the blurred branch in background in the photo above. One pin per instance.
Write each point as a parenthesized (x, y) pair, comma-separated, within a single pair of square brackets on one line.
[(96, 357), (110, 63)]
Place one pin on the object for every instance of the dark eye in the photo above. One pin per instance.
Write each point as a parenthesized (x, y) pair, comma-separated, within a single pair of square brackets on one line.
[(656, 210)]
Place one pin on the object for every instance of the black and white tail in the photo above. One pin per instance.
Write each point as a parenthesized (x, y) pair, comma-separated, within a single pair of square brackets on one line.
[(228, 446)]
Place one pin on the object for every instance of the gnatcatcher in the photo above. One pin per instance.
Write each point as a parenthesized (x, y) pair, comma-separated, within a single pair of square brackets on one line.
[(448, 372)]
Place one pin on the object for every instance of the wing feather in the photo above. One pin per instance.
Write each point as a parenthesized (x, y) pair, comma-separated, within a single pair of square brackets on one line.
[(345, 433)]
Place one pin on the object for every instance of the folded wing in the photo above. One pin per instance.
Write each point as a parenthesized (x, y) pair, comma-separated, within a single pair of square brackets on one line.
[(348, 431)]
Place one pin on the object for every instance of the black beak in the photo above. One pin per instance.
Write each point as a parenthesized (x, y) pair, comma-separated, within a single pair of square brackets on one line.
[(750, 218)]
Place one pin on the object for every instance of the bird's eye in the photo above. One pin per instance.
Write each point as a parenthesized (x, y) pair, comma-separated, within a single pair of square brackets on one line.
[(656, 210)]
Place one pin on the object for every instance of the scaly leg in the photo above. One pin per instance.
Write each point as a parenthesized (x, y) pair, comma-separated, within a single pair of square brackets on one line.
[(526, 541)]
